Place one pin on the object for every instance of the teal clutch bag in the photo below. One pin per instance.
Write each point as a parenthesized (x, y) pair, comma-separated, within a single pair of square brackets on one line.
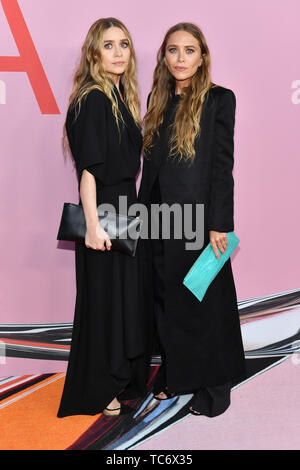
[(207, 266)]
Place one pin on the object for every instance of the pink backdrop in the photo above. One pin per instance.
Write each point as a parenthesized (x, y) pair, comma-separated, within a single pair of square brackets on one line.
[(255, 51)]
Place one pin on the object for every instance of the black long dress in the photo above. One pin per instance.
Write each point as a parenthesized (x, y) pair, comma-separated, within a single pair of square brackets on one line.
[(109, 331), (200, 342)]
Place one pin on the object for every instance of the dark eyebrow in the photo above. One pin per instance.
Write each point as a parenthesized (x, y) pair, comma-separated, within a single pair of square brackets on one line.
[(175, 45), (110, 40)]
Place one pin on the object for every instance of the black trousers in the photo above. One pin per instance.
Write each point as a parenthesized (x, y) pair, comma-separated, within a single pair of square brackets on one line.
[(209, 401)]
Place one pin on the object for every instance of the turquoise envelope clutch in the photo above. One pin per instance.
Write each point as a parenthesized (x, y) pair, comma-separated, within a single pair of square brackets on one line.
[(207, 266)]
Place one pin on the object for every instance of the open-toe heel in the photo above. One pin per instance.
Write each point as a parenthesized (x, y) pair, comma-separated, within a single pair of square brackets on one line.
[(121, 410)]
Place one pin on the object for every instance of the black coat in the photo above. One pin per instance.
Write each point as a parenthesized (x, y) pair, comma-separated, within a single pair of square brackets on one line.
[(108, 340), (202, 340)]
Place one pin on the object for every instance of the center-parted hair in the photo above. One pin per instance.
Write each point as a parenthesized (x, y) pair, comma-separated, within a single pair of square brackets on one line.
[(187, 119)]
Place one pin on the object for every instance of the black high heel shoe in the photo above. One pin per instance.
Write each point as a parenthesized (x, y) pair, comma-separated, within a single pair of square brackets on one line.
[(121, 410), (165, 391)]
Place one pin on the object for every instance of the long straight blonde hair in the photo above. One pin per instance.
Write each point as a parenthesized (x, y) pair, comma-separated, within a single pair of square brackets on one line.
[(90, 73), (187, 119)]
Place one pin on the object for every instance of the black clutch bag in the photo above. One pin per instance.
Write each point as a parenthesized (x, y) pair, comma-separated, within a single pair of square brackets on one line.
[(122, 230)]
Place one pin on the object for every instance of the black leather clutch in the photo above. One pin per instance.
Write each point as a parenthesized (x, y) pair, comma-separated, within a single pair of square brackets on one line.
[(122, 230)]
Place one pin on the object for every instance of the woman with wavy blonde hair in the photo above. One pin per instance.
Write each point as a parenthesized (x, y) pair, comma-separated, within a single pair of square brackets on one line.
[(107, 361), (188, 150)]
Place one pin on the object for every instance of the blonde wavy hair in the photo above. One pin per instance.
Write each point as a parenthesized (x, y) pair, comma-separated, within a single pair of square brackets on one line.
[(186, 125), (90, 74)]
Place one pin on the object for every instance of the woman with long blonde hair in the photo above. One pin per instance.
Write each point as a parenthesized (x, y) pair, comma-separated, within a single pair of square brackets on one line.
[(107, 361), (188, 161)]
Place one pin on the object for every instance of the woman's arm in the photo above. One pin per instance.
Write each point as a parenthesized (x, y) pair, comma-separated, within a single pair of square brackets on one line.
[(88, 198), (95, 238), (90, 134), (220, 219)]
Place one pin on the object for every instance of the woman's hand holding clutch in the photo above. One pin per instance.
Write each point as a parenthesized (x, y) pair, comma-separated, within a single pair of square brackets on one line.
[(97, 238), (209, 263), (218, 240)]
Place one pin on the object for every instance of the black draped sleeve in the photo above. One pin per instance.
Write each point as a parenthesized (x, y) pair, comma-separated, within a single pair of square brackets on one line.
[(88, 135), (221, 209)]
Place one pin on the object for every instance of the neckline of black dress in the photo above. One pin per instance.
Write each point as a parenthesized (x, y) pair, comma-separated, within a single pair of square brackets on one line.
[(176, 96), (175, 99), (120, 91), (132, 127)]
